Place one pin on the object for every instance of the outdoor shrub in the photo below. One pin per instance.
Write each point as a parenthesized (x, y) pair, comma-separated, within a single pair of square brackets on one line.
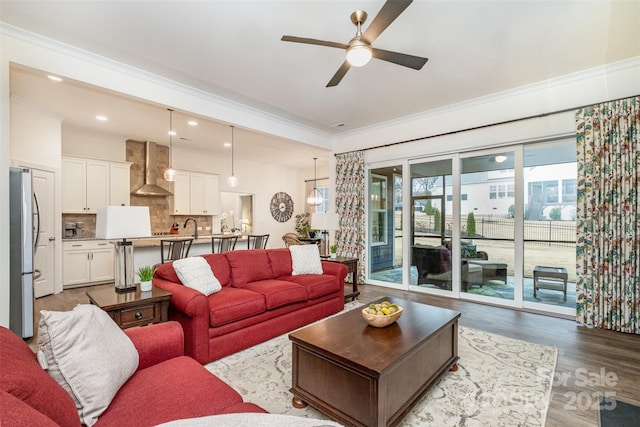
[(436, 219), (555, 214), (471, 224)]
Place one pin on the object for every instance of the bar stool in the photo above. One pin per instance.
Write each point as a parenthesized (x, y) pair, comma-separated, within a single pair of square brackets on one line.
[(257, 241), (221, 244), (175, 248)]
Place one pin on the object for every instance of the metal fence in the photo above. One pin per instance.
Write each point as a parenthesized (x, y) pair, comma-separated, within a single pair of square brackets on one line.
[(543, 233)]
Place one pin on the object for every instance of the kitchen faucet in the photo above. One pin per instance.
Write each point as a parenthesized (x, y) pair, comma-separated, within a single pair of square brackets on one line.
[(195, 227)]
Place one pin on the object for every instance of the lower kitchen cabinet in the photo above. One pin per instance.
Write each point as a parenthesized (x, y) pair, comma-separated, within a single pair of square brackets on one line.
[(87, 262)]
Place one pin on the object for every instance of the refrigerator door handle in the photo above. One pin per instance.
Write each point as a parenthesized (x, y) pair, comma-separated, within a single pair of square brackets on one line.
[(36, 214)]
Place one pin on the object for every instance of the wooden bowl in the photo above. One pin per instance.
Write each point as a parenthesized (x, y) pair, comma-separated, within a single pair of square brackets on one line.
[(380, 320)]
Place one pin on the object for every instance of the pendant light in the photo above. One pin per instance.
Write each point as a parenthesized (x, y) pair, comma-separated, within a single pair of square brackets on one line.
[(232, 181), (170, 174), (315, 197)]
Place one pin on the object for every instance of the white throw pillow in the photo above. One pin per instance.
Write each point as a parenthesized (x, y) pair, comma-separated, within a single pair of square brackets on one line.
[(88, 355), (195, 272), (305, 259)]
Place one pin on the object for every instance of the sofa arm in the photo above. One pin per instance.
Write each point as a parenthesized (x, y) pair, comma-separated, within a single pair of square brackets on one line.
[(335, 269), (191, 309), (157, 343)]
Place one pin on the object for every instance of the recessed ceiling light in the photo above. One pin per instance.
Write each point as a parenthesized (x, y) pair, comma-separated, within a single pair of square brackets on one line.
[(54, 78), (227, 144), (192, 123), (101, 118)]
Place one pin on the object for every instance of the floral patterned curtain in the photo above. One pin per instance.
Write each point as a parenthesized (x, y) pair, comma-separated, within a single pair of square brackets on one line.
[(350, 184), (608, 238)]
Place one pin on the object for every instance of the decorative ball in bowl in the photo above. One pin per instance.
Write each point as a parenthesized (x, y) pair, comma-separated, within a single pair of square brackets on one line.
[(381, 314)]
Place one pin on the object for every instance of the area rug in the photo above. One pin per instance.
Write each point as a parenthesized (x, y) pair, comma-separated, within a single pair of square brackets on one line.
[(615, 413), (500, 382)]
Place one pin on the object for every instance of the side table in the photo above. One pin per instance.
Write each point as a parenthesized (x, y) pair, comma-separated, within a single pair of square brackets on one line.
[(554, 278), (131, 309), (352, 266)]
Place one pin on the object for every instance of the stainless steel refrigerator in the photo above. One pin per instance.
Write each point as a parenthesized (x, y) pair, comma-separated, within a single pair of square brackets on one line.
[(23, 208)]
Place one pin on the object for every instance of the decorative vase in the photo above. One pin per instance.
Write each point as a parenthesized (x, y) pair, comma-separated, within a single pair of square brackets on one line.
[(334, 255), (145, 286)]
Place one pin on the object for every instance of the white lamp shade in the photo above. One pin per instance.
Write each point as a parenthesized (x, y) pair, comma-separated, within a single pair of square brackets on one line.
[(333, 221), (232, 181), (319, 221), (123, 222)]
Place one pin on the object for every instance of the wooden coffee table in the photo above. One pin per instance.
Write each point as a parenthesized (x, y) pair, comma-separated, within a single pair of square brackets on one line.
[(365, 376)]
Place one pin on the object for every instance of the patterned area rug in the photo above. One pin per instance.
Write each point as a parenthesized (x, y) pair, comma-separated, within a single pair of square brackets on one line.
[(500, 382)]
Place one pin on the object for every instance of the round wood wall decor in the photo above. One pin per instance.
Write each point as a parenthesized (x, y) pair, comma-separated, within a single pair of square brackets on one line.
[(281, 207)]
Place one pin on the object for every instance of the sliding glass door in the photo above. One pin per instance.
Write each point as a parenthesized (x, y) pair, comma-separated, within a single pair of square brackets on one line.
[(549, 184), (432, 265), (385, 208), (487, 206), (494, 226)]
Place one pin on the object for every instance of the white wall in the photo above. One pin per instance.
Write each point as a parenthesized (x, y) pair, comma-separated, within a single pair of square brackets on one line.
[(614, 81), (35, 135), (93, 145)]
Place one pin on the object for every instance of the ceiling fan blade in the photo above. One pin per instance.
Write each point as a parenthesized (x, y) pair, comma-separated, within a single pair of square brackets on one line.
[(411, 61), (389, 12), (313, 41), (339, 74)]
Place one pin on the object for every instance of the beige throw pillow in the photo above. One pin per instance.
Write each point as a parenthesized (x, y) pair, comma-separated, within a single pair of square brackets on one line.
[(195, 272), (88, 355), (305, 259)]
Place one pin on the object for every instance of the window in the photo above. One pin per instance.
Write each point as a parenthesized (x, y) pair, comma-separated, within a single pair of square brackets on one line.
[(550, 191), (511, 191), (569, 190), (493, 191)]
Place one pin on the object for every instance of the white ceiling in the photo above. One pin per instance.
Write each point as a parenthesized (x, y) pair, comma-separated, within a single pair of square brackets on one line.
[(233, 49)]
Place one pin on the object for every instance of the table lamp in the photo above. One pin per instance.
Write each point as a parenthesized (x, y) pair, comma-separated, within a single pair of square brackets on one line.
[(123, 222), (324, 221)]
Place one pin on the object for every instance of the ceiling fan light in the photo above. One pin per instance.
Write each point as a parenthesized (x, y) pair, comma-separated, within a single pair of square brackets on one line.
[(500, 158), (358, 55)]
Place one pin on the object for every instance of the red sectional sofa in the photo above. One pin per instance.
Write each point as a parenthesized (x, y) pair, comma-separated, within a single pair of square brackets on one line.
[(259, 300), (167, 386)]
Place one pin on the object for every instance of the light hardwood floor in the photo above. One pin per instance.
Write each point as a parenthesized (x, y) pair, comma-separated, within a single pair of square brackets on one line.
[(590, 361)]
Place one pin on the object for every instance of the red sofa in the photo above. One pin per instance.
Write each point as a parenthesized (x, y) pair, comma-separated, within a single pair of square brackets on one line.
[(167, 386), (259, 300)]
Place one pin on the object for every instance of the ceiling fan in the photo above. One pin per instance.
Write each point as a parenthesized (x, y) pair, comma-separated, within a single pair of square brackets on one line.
[(359, 50)]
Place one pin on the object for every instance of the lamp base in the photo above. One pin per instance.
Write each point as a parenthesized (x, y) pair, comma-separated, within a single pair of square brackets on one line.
[(126, 289)]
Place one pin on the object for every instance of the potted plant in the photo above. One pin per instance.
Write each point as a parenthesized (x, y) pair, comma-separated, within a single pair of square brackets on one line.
[(145, 274), (302, 225), (334, 251)]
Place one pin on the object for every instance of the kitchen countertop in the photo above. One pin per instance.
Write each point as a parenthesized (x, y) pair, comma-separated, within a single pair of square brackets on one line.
[(155, 240)]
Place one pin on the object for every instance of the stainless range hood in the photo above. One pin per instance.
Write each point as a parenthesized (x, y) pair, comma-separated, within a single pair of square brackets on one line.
[(150, 187)]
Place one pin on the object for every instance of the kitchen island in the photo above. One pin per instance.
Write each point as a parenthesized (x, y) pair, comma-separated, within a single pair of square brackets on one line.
[(146, 251)]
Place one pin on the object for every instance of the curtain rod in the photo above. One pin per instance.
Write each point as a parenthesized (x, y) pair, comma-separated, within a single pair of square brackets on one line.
[(317, 179), (505, 122)]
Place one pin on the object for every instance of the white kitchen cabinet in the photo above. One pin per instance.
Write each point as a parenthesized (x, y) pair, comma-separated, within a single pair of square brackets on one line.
[(196, 193), (181, 193), (87, 184), (119, 184), (74, 185), (87, 262)]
